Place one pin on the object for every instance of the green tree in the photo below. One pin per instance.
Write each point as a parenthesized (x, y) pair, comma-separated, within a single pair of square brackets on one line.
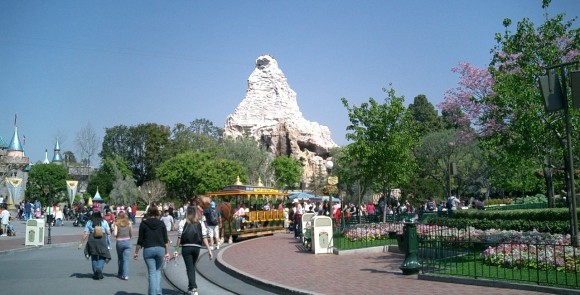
[(218, 173), (252, 155), (140, 146), (347, 169), (69, 157), (124, 191), (200, 135), (425, 115), (106, 175), (383, 136), (193, 173), (47, 182), (518, 59), (288, 172)]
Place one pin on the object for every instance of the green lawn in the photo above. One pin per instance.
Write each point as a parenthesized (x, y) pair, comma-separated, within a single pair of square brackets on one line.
[(471, 265), (343, 243)]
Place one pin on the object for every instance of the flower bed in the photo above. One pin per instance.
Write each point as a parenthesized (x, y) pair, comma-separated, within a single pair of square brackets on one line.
[(544, 257), (371, 231), (506, 248)]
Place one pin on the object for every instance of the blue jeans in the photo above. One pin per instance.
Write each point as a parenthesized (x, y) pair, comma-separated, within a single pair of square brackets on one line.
[(98, 262), (123, 255), (154, 257)]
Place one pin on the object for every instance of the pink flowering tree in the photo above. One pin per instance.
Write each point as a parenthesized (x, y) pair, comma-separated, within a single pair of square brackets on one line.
[(503, 104)]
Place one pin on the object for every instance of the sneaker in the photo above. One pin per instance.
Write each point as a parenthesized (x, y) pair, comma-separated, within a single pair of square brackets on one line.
[(212, 247), (98, 275), (217, 246)]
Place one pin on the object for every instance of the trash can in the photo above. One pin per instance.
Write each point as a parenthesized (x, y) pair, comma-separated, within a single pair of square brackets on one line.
[(322, 235), (306, 218), (34, 235), (410, 245)]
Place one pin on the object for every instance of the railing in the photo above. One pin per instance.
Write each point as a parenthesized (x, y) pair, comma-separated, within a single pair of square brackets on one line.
[(364, 235), (542, 264)]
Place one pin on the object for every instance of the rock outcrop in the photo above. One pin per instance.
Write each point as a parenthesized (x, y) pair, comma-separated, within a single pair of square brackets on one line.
[(270, 114)]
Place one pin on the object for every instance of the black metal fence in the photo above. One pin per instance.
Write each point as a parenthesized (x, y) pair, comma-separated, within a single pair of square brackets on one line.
[(455, 252), (365, 235)]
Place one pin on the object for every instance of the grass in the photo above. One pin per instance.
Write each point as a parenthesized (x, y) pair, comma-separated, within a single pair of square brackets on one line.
[(343, 243), (471, 265)]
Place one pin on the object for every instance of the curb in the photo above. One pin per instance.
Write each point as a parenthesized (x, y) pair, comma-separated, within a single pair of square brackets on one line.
[(30, 248), (496, 284), (263, 284)]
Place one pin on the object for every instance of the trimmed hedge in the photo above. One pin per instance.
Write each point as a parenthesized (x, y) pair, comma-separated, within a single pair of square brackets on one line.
[(556, 220)]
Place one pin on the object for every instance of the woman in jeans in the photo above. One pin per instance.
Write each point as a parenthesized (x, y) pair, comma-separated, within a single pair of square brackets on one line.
[(122, 232), (155, 243), (190, 234), (96, 248)]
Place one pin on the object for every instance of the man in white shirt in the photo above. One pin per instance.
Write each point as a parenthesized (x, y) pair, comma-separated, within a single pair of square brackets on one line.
[(168, 220), (4, 218)]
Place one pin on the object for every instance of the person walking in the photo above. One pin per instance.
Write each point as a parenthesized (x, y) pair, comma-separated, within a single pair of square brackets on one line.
[(190, 235), (122, 233), (168, 221), (155, 243), (59, 216), (96, 249), (4, 219), (213, 219)]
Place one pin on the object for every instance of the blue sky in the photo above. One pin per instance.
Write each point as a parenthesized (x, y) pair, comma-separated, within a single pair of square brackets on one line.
[(64, 64)]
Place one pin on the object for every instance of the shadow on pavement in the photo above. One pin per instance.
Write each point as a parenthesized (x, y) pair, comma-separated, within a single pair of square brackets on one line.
[(82, 275)]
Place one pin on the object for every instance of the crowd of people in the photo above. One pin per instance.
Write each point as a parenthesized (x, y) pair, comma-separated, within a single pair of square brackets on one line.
[(195, 229)]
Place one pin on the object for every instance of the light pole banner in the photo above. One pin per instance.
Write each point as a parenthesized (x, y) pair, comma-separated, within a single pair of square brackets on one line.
[(71, 188), (14, 185)]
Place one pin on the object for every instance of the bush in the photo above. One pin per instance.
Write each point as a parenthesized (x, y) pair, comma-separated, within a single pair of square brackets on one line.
[(504, 201), (554, 221), (537, 199)]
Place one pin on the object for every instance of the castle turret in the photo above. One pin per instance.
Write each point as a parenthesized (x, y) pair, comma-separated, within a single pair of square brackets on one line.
[(45, 157), (57, 158), (15, 149)]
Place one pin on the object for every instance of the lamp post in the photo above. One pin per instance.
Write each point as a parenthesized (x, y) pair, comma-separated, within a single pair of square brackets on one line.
[(555, 99), (331, 181), (48, 218)]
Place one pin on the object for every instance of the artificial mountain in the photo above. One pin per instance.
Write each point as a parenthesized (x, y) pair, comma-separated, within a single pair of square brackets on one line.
[(269, 113)]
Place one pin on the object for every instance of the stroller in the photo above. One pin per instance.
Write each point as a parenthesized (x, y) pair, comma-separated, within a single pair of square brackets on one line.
[(10, 230)]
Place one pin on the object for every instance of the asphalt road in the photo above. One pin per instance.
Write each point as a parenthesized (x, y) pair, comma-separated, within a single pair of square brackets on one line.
[(63, 269)]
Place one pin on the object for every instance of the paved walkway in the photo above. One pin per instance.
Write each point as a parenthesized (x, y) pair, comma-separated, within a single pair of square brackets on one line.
[(281, 261)]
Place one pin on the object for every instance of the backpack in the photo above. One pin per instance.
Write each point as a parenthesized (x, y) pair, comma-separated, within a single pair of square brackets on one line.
[(449, 203), (213, 217), (431, 205), (98, 232), (191, 234)]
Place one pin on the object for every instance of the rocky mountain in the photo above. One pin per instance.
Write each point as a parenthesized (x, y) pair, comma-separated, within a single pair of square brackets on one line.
[(269, 112)]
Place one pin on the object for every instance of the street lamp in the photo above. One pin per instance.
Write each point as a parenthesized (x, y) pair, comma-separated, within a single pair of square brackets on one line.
[(555, 99), (48, 217)]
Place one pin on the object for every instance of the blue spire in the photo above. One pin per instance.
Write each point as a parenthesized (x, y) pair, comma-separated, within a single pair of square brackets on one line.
[(56, 157), (15, 144)]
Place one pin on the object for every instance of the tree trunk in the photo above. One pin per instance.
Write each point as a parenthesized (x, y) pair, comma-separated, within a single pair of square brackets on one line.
[(548, 178)]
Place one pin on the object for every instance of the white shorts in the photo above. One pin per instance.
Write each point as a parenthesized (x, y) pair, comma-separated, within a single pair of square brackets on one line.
[(213, 231)]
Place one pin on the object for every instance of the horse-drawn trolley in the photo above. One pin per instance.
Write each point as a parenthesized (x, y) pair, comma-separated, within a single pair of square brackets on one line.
[(250, 210)]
